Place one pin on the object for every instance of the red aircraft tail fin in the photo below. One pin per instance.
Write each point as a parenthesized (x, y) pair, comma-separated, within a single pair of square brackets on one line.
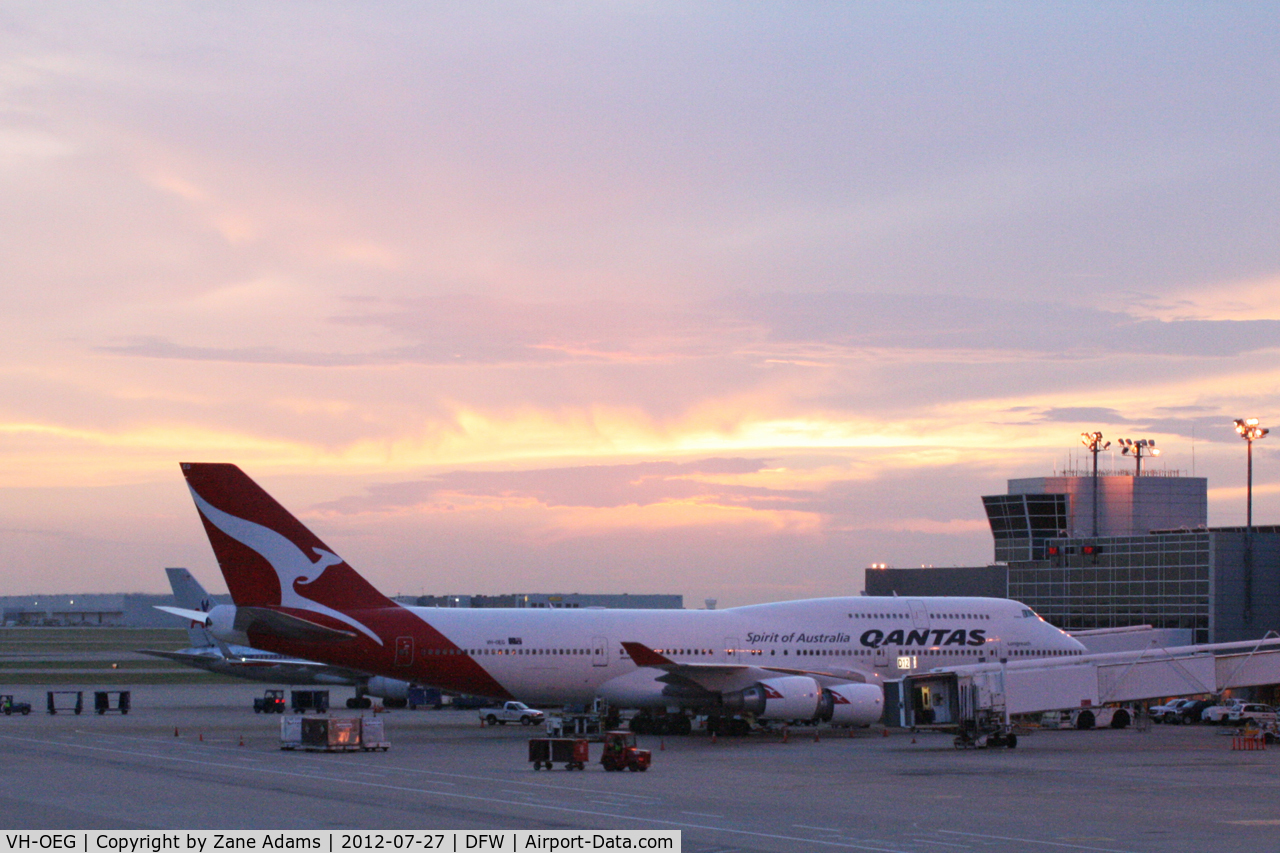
[(268, 557)]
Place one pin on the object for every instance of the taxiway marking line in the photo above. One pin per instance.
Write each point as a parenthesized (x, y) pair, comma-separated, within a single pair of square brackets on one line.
[(490, 800), (1034, 841)]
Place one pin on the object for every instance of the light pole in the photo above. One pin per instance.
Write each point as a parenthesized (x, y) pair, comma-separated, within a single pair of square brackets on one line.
[(1249, 430), (1093, 441), (1138, 449)]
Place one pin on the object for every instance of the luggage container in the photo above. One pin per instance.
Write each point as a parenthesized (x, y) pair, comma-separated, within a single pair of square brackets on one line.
[(333, 734), (302, 701), (545, 751)]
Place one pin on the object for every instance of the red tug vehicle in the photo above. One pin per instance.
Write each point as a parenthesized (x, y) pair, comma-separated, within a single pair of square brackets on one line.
[(621, 753)]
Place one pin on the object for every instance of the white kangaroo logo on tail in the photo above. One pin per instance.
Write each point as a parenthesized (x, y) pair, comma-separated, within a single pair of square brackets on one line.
[(291, 563)]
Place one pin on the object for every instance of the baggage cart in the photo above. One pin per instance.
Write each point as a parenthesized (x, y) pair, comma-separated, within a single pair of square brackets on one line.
[(546, 751), (60, 700), (373, 734), (301, 701), (102, 701)]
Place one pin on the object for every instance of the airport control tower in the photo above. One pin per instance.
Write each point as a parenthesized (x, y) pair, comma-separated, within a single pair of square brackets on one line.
[(1037, 509)]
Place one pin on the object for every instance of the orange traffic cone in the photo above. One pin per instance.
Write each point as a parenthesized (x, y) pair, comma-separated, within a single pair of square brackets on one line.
[(175, 731), (202, 737), (815, 735), (662, 745), (786, 734), (242, 740)]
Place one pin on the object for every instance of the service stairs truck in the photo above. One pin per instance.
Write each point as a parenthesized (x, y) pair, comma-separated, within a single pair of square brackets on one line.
[(977, 702)]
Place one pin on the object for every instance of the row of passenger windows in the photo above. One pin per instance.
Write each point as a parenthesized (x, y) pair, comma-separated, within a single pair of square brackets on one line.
[(908, 616), (760, 652), (686, 653), (507, 651)]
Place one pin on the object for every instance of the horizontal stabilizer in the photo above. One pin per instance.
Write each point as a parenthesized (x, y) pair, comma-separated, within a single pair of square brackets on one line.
[(181, 657), (287, 626), (183, 613)]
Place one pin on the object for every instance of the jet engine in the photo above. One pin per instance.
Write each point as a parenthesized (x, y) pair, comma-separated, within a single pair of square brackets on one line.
[(221, 623), (852, 704), (791, 697), (387, 688)]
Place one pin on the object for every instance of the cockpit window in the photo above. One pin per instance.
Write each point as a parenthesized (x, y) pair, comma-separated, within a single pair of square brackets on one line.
[(1027, 614)]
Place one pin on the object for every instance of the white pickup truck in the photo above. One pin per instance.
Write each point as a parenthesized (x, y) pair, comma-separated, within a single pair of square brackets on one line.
[(511, 712)]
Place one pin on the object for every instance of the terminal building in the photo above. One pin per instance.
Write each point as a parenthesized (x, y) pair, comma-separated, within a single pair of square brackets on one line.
[(138, 610), (1117, 550)]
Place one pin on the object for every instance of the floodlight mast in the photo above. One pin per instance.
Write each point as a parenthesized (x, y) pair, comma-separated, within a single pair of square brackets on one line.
[(1138, 449), (1093, 441), (1250, 431)]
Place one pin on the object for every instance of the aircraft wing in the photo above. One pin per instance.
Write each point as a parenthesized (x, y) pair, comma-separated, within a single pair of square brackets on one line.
[(189, 658), (726, 677)]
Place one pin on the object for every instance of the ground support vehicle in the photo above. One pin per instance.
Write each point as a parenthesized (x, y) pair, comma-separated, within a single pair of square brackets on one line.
[(1252, 712), (1192, 712), (59, 700), (546, 751), (302, 701), (979, 736), (8, 706), (511, 712), (1217, 714), (664, 723), (102, 701), (1087, 718), (1168, 712), (621, 753), (560, 725), (416, 697), (333, 734), (270, 702)]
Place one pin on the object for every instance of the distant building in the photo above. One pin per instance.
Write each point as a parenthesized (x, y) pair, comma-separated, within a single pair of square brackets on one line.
[(983, 581), (128, 609), (567, 601), (137, 610), (1154, 560)]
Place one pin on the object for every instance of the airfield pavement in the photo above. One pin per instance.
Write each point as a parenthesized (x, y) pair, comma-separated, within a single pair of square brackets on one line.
[(176, 762)]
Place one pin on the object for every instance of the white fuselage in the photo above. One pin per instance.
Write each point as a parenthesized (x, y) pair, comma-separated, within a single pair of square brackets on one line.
[(565, 656)]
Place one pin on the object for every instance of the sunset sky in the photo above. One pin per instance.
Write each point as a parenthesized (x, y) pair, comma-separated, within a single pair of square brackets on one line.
[(726, 300)]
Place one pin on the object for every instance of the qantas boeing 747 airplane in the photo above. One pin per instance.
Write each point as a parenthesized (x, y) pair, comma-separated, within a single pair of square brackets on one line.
[(821, 659)]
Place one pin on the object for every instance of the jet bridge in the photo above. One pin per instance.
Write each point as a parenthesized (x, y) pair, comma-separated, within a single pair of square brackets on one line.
[(977, 701)]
